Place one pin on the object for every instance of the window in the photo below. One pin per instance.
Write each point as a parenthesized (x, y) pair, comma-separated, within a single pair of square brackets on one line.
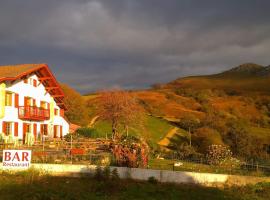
[(28, 128), (8, 100), (27, 101), (44, 129), (34, 82), (31, 81), (55, 131), (56, 112), (7, 128), (43, 104), (34, 102)]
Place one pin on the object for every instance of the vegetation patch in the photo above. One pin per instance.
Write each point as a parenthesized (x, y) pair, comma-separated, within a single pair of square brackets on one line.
[(46, 187)]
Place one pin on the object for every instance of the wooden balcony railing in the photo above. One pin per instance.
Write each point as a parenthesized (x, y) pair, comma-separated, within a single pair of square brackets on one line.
[(33, 113)]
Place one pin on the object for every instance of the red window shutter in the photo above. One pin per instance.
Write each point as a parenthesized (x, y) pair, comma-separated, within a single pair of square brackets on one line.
[(16, 129), (26, 101), (34, 102), (61, 131), (25, 80), (35, 131), (4, 127), (16, 101), (41, 129), (24, 131), (35, 83), (46, 129), (55, 111), (62, 112)]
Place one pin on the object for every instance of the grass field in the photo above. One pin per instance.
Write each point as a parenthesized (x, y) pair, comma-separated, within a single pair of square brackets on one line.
[(28, 186), (153, 129), (204, 168), (263, 133)]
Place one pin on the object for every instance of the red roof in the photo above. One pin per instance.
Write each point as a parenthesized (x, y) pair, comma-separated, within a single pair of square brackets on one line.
[(15, 72), (73, 127)]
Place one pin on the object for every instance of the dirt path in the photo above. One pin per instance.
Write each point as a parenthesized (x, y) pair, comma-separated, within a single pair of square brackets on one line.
[(166, 140), (93, 120)]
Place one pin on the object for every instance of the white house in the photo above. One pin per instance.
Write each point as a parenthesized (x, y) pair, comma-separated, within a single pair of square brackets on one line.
[(31, 101)]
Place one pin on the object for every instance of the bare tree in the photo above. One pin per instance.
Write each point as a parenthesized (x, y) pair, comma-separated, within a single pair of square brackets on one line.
[(120, 108)]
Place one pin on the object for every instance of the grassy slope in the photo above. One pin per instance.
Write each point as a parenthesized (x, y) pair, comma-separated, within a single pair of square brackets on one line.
[(21, 187), (153, 129), (263, 133)]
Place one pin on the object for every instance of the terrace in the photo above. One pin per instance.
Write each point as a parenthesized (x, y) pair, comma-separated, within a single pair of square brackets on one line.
[(33, 113)]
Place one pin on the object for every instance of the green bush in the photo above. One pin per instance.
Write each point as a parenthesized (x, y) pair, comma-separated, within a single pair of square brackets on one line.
[(87, 132), (152, 180), (115, 175), (106, 173), (219, 155), (98, 173)]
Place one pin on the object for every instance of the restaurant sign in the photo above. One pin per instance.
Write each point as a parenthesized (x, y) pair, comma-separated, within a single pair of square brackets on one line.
[(16, 159)]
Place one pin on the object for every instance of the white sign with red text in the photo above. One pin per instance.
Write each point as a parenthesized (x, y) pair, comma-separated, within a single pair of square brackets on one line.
[(16, 159)]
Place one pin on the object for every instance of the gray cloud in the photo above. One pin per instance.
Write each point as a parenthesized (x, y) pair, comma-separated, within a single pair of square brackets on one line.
[(98, 44)]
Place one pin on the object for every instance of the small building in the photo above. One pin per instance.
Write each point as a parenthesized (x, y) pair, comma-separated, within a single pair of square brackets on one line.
[(31, 101)]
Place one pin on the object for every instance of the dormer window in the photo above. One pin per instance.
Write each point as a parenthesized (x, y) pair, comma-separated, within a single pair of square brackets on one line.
[(56, 112), (31, 81), (34, 82)]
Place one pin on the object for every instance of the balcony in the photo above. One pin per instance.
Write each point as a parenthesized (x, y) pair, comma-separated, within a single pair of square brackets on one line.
[(33, 113)]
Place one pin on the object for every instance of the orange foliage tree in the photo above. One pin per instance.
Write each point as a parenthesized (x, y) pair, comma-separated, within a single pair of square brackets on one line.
[(77, 111), (120, 108)]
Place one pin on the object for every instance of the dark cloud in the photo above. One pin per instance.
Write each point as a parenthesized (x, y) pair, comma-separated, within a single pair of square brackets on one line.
[(132, 44)]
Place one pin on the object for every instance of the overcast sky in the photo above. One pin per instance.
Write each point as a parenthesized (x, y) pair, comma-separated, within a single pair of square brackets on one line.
[(101, 44)]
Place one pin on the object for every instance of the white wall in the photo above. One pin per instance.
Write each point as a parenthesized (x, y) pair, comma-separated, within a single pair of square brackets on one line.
[(206, 179), (39, 93)]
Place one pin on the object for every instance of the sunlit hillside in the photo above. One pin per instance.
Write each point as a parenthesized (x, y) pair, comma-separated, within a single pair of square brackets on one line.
[(236, 99)]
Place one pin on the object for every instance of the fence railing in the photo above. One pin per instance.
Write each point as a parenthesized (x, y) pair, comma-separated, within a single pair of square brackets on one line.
[(201, 165)]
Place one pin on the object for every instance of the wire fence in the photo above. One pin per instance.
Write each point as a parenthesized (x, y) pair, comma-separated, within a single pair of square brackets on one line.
[(96, 152), (202, 165)]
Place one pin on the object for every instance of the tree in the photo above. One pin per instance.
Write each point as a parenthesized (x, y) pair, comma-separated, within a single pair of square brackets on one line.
[(130, 152), (189, 123), (204, 137), (180, 145), (120, 108), (243, 143), (77, 111)]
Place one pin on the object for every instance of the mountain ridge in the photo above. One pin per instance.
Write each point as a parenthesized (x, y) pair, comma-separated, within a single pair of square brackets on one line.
[(247, 77)]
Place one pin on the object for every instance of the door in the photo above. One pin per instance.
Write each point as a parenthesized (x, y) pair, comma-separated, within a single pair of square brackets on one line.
[(26, 129), (35, 131), (55, 131)]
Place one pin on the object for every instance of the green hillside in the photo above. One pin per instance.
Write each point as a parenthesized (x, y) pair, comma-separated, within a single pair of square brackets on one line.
[(152, 129)]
